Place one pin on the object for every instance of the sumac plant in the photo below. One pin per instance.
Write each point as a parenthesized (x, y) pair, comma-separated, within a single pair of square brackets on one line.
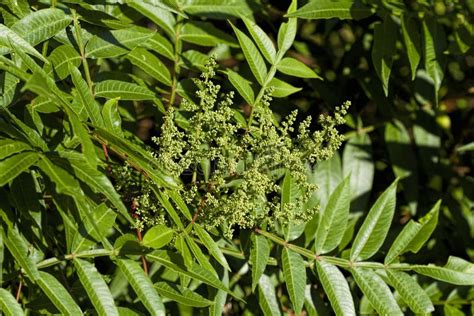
[(145, 170)]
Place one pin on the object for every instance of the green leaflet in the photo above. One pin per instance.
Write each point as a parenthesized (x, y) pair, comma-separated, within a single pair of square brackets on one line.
[(175, 263), (404, 163), (123, 90), (162, 18), (116, 42), (217, 9), (414, 235), (9, 38), (373, 231), (281, 88), (262, 40), (95, 287), (412, 294), (181, 295), (56, 292), (290, 193), (287, 31), (333, 220), (336, 287), (267, 298), (357, 160), (158, 236), (434, 42), (142, 286), (40, 25), (96, 180), (61, 57), (86, 236), (294, 67), (161, 45), (456, 271), (205, 34), (376, 291), (9, 305), (149, 63), (385, 35), (412, 40), (86, 98), (199, 255), (252, 55), (10, 147), (11, 167), (294, 272), (259, 254), (327, 9), (18, 248), (242, 86), (111, 116), (211, 245), (88, 148)]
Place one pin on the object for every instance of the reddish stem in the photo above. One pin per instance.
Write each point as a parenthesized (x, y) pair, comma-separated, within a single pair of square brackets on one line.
[(139, 235)]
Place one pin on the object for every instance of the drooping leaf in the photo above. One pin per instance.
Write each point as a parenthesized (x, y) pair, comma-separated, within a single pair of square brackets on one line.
[(456, 271), (414, 235), (411, 293), (40, 25), (264, 43), (357, 160), (10, 147), (96, 180), (61, 57), (8, 87), (412, 40), (11, 167), (376, 291), (9, 38), (385, 35), (158, 236), (327, 9), (259, 254), (86, 236), (56, 292), (18, 248), (294, 272), (282, 89), (88, 148), (434, 46), (217, 9), (161, 45), (252, 55), (220, 297), (373, 231), (116, 42), (181, 295), (96, 288), (205, 34), (175, 263), (137, 156), (123, 90), (333, 220), (199, 255), (149, 63), (142, 286), (336, 287), (111, 116), (294, 67), (290, 194), (85, 96), (163, 18), (242, 86), (404, 163), (9, 305), (211, 245), (267, 297)]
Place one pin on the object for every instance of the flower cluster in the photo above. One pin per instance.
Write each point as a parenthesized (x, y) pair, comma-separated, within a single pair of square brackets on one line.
[(231, 171)]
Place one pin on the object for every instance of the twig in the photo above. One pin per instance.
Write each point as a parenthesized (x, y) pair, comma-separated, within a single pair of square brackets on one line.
[(18, 292), (139, 234)]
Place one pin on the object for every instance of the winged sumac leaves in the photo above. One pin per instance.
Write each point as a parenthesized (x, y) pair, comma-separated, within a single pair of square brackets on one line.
[(294, 272)]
